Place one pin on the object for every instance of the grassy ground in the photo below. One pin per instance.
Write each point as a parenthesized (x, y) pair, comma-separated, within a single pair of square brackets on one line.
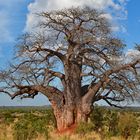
[(39, 124)]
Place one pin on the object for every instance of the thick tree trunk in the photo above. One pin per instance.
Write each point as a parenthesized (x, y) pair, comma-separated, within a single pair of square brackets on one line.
[(68, 117), (65, 118), (83, 113), (74, 110)]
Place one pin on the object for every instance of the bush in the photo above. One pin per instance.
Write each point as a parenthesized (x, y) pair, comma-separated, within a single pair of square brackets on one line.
[(112, 122), (97, 118), (128, 125), (21, 130), (29, 123), (7, 117), (84, 128), (29, 126)]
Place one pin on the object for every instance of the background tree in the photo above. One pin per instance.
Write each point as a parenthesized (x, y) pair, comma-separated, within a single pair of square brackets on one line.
[(74, 60)]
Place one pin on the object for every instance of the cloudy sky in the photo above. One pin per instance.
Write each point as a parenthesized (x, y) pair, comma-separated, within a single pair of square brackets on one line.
[(17, 17)]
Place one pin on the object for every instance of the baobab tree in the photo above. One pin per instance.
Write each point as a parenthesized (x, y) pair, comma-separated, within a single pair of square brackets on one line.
[(74, 60)]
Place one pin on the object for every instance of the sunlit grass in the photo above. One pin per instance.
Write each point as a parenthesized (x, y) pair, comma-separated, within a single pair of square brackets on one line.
[(39, 124)]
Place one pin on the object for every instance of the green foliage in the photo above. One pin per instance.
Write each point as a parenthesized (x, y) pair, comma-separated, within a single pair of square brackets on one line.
[(21, 131), (29, 123), (128, 125), (97, 118), (7, 117), (84, 128), (112, 122)]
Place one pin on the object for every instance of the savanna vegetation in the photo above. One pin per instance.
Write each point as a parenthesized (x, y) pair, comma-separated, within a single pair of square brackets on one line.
[(39, 124)]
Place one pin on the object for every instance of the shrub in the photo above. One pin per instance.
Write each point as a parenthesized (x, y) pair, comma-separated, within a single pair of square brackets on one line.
[(111, 123), (7, 117), (84, 128), (97, 118), (29, 126), (128, 125)]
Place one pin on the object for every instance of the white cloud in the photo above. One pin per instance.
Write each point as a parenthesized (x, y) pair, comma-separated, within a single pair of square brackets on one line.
[(46, 5), (59, 4), (133, 53), (129, 56), (107, 16), (115, 28)]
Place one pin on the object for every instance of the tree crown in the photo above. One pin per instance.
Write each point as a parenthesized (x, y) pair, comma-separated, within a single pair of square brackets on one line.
[(70, 40)]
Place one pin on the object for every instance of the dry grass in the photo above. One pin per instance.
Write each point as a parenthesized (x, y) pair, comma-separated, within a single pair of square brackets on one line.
[(37, 119), (89, 136), (6, 134)]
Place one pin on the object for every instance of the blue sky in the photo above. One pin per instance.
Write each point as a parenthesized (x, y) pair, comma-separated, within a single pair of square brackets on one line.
[(133, 23), (16, 17)]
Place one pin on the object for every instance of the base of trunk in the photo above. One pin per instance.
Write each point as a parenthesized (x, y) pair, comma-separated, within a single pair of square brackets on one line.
[(68, 121), (69, 130)]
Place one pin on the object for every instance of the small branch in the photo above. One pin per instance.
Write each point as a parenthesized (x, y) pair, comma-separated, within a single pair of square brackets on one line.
[(109, 103), (52, 52), (6, 92), (123, 67), (53, 73)]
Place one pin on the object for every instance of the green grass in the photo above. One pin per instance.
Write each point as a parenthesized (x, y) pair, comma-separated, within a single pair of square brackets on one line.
[(29, 123)]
